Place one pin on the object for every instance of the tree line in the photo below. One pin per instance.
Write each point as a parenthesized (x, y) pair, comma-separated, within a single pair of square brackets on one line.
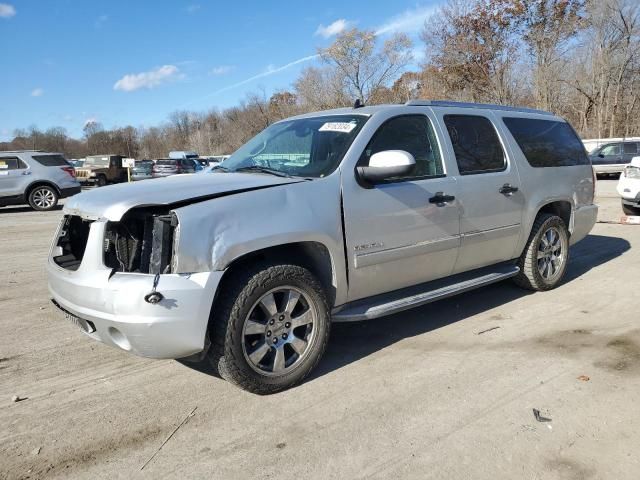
[(579, 59)]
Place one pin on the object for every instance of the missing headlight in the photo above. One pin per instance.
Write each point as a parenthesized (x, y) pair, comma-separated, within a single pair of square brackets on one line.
[(143, 242)]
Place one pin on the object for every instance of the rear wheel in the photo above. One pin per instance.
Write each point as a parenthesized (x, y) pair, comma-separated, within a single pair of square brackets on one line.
[(270, 329), (43, 198), (544, 260), (629, 210)]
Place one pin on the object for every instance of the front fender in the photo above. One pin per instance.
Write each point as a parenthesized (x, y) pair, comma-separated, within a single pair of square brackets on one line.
[(215, 233)]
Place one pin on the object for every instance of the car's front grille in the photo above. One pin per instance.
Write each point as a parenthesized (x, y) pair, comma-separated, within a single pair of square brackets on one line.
[(71, 242), (82, 173)]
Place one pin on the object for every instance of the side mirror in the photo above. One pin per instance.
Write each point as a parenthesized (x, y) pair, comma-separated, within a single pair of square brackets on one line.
[(387, 164)]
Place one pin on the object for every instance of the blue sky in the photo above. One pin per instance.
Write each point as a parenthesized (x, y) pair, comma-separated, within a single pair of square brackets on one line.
[(133, 62)]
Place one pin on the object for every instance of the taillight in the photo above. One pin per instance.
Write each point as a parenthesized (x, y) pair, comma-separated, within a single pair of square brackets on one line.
[(154, 169), (594, 179), (70, 170)]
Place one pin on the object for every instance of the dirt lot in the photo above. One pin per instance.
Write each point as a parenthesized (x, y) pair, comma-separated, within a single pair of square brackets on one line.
[(424, 394)]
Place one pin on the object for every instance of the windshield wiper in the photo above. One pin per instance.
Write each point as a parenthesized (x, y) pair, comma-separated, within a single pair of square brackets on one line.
[(258, 168), (221, 168)]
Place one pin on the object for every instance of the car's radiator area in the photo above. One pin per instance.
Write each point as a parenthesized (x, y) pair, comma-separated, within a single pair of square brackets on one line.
[(143, 241)]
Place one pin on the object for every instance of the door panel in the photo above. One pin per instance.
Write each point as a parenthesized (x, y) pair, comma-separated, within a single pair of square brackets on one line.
[(395, 237), (13, 176), (489, 191)]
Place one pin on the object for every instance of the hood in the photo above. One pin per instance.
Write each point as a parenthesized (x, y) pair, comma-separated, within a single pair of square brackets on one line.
[(114, 201)]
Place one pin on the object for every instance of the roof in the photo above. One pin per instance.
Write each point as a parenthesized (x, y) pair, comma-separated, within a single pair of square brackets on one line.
[(370, 110)]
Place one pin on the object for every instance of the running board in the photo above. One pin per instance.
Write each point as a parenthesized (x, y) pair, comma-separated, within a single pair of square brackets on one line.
[(400, 300)]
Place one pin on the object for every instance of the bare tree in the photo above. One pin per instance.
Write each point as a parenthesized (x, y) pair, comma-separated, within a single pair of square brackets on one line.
[(365, 68)]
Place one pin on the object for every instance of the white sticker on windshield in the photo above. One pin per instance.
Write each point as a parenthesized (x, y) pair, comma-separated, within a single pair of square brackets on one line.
[(344, 127)]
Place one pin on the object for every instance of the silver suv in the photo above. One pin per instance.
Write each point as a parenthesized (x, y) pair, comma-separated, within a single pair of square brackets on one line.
[(342, 215), (35, 177)]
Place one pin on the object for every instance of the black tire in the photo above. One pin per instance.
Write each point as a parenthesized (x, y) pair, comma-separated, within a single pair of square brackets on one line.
[(101, 181), (242, 293), (629, 210), (43, 198), (530, 262)]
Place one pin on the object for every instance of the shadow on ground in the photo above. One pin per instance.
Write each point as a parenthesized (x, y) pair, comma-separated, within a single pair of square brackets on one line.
[(351, 342), (25, 209)]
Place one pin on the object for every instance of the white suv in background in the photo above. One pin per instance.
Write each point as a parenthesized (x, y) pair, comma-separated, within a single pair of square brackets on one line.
[(629, 187), (35, 177)]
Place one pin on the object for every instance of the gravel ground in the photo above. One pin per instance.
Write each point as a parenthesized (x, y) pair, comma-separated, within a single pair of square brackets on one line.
[(443, 391)]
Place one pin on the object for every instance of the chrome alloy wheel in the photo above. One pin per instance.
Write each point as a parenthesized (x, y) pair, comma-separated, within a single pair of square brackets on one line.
[(279, 331), (44, 198), (551, 254)]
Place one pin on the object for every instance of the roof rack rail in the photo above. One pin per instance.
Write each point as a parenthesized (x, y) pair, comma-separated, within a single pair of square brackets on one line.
[(21, 151), (447, 103)]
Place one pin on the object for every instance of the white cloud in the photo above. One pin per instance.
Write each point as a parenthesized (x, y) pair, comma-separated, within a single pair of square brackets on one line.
[(222, 69), (150, 79), (334, 28), (7, 10), (102, 19), (37, 92), (193, 8), (409, 21)]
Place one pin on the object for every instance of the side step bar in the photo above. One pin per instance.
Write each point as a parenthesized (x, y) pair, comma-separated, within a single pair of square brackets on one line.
[(400, 300)]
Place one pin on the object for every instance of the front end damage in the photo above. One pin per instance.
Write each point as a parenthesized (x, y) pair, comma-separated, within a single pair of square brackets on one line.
[(101, 271)]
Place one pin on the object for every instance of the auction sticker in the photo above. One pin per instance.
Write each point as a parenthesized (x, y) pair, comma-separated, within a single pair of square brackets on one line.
[(344, 127)]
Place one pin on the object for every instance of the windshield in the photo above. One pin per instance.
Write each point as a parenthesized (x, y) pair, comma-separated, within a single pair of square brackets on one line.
[(308, 147), (96, 162)]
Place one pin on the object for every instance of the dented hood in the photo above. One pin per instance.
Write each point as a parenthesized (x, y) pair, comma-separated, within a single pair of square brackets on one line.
[(114, 201)]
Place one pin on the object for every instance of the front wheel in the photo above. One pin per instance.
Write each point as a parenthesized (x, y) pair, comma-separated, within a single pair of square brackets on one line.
[(270, 328), (43, 198), (101, 181), (544, 260)]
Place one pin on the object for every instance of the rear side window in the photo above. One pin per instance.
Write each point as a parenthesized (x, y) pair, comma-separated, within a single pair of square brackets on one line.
[(11, 163), (51, 160), (475, 144), (547, 143), (166, 162), (630, 148)]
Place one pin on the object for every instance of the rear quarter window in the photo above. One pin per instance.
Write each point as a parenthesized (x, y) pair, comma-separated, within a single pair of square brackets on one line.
[(51, 160), (547, 143)]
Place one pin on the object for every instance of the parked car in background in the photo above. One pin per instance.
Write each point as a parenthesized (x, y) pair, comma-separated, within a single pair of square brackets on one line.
[(183, 154), (37, 178), (629, 187), (100, 170), (142, 170), (166, 167), (592, 143), (343, 215), (611, 158)]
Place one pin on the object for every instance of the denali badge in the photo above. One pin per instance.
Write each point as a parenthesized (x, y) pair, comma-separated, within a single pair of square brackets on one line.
[(367, 246)]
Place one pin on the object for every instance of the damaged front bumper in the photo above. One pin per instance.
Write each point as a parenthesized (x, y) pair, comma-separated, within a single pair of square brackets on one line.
[(114, 304)]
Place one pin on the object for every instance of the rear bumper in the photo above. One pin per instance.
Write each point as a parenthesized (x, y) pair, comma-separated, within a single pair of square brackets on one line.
[(69, 192), (584, 218), (114, 304)]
